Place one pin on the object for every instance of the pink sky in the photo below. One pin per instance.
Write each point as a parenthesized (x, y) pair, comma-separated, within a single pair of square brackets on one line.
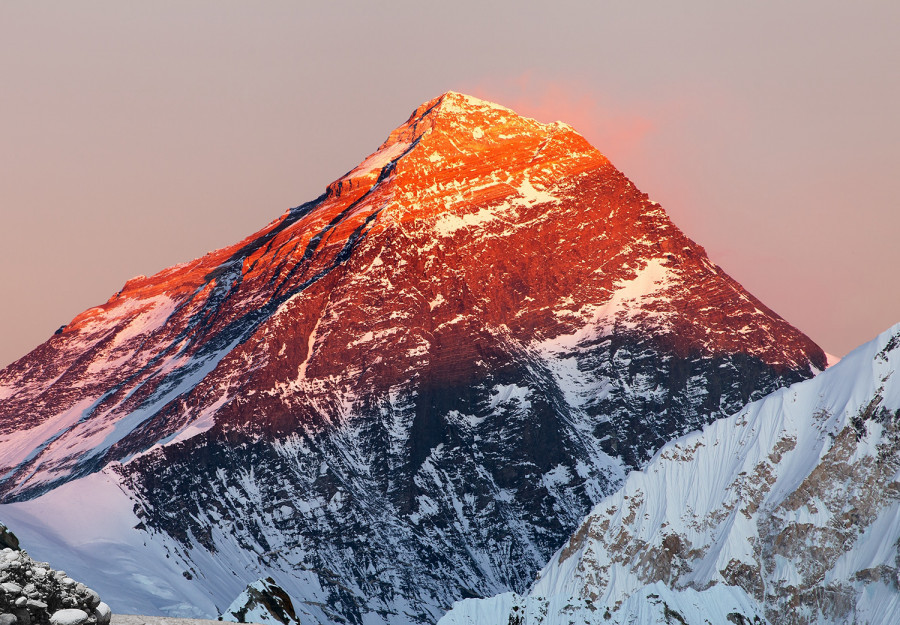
[(138, 135)]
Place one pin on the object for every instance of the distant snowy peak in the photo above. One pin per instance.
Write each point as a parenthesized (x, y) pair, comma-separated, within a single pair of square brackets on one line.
[(437, 214), (793, 502)]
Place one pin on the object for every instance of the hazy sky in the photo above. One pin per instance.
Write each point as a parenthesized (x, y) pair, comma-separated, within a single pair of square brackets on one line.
[(134, 136)]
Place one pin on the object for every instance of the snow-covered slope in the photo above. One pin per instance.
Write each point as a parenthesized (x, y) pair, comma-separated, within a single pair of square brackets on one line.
[(652, 604), (792, 503), (405, 392), (88, 525)]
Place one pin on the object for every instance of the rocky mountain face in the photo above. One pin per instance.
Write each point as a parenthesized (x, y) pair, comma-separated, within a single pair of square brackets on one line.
[(406, 392), (788, 511)]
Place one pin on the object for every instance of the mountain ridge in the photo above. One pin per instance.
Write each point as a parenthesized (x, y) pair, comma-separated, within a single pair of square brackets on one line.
[(787, 509)]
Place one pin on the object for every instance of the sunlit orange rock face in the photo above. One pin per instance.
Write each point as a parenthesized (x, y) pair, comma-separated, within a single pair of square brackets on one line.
[(485, 295)]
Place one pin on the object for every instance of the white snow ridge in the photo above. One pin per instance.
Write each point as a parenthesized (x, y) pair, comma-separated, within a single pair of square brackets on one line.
[(786, 512)]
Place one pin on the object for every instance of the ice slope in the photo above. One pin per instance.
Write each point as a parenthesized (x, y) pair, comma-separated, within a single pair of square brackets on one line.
[(89, 525), (794, 501)]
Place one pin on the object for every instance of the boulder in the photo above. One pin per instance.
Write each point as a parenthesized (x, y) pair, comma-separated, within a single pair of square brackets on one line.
[(103, 614), (71, 616)]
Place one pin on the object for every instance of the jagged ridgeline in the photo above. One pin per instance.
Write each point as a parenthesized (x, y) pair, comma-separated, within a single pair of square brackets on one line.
[(406, 392), (785, 513)]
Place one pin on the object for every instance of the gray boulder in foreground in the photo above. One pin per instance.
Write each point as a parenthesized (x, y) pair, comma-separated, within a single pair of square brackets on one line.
[(32, 593), (72, 616)]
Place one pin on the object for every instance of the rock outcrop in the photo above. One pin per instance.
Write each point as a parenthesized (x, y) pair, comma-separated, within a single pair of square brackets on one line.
[(32, 593), (262, 602)]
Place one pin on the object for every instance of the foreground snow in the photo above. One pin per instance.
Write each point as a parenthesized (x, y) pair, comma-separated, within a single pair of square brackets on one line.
[(650, 605), (89, 526), (788, 510)]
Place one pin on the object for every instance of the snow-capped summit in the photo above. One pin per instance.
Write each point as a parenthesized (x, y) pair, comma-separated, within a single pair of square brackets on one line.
[(407, 391)]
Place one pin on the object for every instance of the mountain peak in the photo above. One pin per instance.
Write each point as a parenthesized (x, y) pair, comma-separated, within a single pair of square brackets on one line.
[(431, 372), (464, 105), (455, 102), (459, 141), (459, 114)]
